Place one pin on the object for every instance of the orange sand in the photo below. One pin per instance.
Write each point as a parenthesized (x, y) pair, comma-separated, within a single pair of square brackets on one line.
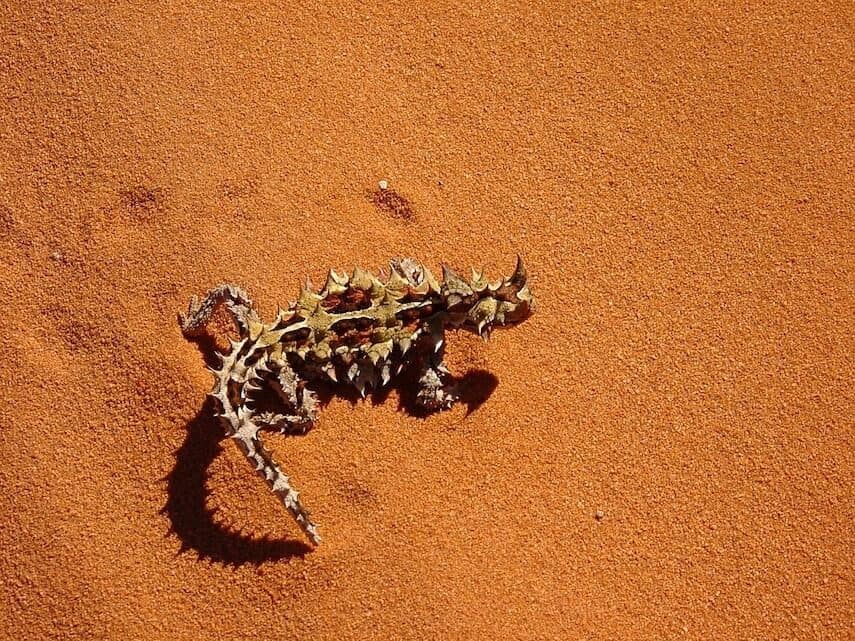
[(680, 182)]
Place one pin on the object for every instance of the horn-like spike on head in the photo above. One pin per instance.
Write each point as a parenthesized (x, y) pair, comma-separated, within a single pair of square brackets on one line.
[(520, 275)]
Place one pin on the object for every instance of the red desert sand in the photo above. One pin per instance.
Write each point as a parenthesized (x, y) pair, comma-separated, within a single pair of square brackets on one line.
[(663, 451)]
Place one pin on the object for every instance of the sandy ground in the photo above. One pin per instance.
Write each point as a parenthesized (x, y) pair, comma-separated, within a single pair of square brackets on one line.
[(666, 450)]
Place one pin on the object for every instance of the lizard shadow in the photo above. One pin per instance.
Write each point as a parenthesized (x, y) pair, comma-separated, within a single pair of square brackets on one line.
[(194, 523)]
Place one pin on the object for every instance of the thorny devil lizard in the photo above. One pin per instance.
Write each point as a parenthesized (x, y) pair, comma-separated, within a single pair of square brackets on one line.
[(360, 330)]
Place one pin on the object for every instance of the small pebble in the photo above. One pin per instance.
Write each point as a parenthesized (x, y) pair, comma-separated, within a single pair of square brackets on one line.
[(384, 185), (599, 515)]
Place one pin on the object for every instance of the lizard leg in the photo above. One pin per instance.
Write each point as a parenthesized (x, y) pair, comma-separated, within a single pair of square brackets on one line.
[(435, 391), (298, 398), (294, 424), (199, 312)]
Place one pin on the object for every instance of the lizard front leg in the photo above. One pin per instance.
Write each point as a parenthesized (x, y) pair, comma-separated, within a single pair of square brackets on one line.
[(435, 390)]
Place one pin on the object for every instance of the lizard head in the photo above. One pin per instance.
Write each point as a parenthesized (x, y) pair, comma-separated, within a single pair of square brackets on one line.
[(479, 306)]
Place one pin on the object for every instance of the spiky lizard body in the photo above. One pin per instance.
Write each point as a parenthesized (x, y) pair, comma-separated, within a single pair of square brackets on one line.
[(359, 330)]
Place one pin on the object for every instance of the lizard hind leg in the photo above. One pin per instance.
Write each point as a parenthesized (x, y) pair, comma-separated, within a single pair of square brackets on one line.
[(296, 397), (435, 392)]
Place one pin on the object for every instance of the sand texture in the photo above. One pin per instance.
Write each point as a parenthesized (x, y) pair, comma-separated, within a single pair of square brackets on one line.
[(663, 451)]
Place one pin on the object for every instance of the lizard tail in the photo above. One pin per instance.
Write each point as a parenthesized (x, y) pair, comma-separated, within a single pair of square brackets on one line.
[(199, 312), (263, 462)]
